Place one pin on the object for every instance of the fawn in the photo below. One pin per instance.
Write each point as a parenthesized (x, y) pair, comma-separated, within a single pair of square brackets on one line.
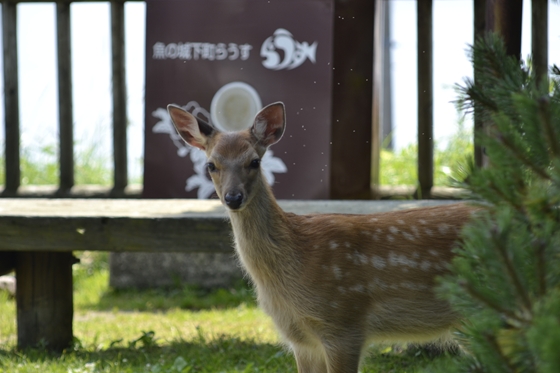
[(332, 283)]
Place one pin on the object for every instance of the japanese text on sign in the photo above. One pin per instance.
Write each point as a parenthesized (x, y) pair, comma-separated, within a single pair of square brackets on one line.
[(201, 51)]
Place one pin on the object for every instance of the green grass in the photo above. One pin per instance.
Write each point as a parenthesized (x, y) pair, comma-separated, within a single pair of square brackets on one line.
[(183, 328), (90, 167), (179, 329), (400, 168)]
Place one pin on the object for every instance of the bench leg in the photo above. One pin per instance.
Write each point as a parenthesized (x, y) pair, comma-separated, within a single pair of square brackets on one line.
[(44, 299)]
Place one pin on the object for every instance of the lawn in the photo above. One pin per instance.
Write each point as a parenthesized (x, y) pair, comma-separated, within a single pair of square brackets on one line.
[(180, 329)]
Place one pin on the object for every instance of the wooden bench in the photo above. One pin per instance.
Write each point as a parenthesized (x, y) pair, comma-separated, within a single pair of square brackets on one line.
[(38, 236)]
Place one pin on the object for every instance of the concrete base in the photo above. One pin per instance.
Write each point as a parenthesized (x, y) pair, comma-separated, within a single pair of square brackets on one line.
[(150, 270)]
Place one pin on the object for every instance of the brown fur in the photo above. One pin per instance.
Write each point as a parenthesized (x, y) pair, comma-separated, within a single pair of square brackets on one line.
[(332, 283)]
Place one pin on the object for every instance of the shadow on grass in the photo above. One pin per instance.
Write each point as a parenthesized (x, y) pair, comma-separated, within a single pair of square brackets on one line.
[(224, 354), (182, 296)]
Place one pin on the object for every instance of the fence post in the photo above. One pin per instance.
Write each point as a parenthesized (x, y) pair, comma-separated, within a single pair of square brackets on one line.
[(539, 39), (119, 99), (11, 100), (425, 100), (65, 103), (352, 98)]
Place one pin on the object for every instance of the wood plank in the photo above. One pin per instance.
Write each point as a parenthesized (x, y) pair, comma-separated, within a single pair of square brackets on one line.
[(119, 99), (539, 40), (351, 131), (142, 225), (479, 31), (44, 300), (505, 18), (425, 99), (7, 262), (11, 97), (65, 103)]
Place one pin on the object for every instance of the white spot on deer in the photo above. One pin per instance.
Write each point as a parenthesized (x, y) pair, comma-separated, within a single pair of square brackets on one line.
[(378, 231), (415, 231), (408, 236), (425, 265), (422, 221), (357, 258), (333, 304), (378, 262), (337, 272), (342, 289), (400, 221), (433, 252), (393, 230), (429, 232), (374, 220), (359, 288), (390, 238), (402, 260), (377, 283), (409, 285), (347, 244), (443, 228), (333, 245)]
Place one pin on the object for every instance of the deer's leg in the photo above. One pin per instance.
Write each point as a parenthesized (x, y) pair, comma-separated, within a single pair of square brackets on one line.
[(309, 360), (343, 355)]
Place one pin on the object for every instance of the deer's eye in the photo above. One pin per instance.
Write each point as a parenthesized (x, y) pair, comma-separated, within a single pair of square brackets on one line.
[(255, 163), (211, 167)]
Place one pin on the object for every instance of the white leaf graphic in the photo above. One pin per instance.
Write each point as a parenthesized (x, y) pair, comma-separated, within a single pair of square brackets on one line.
[(200, 180)]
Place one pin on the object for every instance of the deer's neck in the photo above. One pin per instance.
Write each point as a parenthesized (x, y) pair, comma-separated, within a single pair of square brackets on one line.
[(263, 236)]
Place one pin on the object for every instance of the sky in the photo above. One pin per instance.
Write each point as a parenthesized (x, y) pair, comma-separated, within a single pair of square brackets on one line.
[(91, 59)]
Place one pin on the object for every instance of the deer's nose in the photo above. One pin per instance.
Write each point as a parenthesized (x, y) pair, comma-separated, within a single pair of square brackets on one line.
[(233, 200)]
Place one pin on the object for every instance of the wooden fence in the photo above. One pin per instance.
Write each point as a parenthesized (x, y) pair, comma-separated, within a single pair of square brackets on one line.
[(65, 105), (503, 16)]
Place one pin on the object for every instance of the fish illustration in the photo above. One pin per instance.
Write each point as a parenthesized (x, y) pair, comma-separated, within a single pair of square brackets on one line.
[(295, 53)]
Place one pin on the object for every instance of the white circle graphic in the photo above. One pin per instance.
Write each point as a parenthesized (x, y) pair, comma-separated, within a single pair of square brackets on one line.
[(234, 107)]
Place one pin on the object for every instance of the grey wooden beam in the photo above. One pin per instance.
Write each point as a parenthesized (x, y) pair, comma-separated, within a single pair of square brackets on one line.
[(425, 99), (65, 102), (11, 98), (63, 225), (119, 98)]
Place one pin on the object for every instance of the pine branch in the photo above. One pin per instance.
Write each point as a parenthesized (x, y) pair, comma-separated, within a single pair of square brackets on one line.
[(544, 114), (517, 154), (490, 302), (540, 246), (491, 340), (519, 288)]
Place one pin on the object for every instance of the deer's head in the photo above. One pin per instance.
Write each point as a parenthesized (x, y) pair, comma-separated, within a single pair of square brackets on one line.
[(234, 158)]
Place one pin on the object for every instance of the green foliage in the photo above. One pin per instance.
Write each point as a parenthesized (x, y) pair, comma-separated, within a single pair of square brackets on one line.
[(89, 167), (400, 168), (507, 272), (117, 333)]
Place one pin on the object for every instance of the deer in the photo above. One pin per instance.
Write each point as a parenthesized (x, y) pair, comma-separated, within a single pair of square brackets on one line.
[(333, 284)]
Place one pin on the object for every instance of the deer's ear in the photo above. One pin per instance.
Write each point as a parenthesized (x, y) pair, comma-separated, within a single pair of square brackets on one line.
[(269, 124), (194, 131)]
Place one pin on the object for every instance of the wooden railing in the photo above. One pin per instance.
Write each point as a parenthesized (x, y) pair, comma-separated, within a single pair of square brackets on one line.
[(498, 15), (65, 104)]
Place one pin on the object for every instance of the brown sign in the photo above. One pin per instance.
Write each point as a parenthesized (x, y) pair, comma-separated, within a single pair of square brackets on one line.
[(223, 60)]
